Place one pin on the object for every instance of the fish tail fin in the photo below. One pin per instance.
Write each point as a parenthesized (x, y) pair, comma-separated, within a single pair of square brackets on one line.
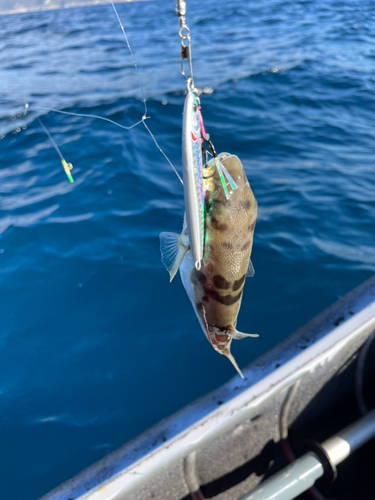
[(172, 252), (229, 355)]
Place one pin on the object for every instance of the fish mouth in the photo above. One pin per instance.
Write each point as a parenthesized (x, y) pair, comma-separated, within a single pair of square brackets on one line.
[(220, 339), (221, 342)]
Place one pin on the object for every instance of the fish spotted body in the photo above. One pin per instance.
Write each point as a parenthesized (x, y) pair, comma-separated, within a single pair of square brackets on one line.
[(216, 289)]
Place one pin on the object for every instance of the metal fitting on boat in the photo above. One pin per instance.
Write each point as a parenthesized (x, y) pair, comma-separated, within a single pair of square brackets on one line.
[(319, 462)]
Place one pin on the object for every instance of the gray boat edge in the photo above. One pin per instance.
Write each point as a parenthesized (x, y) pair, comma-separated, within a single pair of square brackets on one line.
[(349, 320)]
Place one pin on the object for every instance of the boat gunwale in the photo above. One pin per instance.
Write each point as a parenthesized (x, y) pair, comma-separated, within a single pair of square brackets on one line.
[(193, 427)]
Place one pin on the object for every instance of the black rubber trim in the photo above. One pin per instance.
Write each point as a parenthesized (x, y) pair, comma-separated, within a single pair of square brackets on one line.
[(330, 470)]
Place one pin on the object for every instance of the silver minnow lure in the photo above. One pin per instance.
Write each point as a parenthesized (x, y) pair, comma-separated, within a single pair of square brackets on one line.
[(193, 176)]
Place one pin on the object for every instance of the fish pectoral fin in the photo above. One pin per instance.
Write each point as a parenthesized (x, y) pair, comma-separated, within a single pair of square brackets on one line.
[(239, 335), (172, 252), (229, 355), (250, 270)]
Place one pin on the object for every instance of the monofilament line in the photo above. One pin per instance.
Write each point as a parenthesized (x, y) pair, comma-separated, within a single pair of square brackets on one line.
[(144, 117), (162, 152), (132, 56), (92, 116), (51, 139)]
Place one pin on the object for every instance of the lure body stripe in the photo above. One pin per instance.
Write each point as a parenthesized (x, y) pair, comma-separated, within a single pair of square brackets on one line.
[(192, 161)]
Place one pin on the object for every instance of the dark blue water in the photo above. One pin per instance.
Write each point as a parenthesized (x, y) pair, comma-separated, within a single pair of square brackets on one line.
[(95, 344)]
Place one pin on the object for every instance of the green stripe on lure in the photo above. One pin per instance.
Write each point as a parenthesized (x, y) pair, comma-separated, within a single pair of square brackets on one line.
[(222, 170)]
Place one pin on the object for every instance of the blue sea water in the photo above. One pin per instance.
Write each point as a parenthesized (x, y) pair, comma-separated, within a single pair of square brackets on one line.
[(95, 344)]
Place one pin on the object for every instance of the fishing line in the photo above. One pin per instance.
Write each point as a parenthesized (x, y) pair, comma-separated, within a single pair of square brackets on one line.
[(132, 56), (144, 117), (84, 115), (92, 116), (51, 139), (162, 152)]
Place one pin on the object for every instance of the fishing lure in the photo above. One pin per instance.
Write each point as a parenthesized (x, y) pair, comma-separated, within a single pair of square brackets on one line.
[(193, 176), (66, 166), (193, 137)]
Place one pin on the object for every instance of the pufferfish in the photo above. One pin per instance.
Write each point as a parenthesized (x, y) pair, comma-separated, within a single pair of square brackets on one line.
[(215, 290)]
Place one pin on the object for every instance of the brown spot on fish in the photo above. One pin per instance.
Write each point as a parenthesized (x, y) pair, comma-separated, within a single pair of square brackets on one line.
[(221, 282), (222, 201), (197, 276), (237, 284), (245, 204), (218, 225), (226, 300), (227, 245), (201, 278), (251, 227), (205, 298), (245, 246)]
